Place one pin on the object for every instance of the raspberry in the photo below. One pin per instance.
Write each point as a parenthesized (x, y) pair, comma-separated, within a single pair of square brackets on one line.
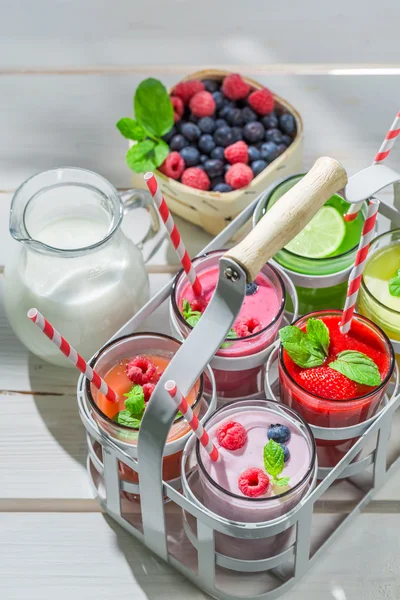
[(238, 175), (186, 89), (231, 435), (262, 101), (247, 326), (328, 383), (173, 166), (202, 104), (179, 107), (237, 153), (253, 482), (148, 389), (234, 87), (195, 178), (140, 370), (199, 305)]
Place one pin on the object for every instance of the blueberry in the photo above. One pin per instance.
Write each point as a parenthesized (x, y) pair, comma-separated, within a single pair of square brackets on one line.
[(234, 117), (286, 452), (168, 136), (253, 132), (228, 103), (218, 152), (281, 149), (211, 85), (206, 124), (223, 136), (237, 134), (269, 151), (270, 121), (251, 288), (221, 123), (190, 155), (273, 135), (254, 153), (206, 143), (216, 181), (286, 139), (248, 115), (178, 142), (287, 123), (222, 187), (227, 166), (203, 158), (190, 131), (191, 117), (219, 99), (201, 167), (279, 433), (214, 167), (257, 166)]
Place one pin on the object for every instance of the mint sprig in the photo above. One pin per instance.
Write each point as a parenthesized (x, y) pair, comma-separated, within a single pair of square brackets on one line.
[(358, 367), (301, 347), (124, 417), (318, 334), (394, 285), (274, 461), (154, 118), (134, 402)]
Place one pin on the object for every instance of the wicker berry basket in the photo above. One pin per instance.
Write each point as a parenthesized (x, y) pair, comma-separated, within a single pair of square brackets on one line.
[(213, 210)]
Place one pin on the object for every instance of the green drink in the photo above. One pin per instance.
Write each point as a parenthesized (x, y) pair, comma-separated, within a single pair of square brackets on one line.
[(319, 259), (379, 298)]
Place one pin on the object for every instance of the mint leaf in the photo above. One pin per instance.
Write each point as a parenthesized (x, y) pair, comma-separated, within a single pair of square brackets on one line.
[(134, 402), (161, 152), (358, 367), (394, 285), (124, 417), (273, 458), (232, 335), (280, 481), (153, 107), (140, 157), (318, 334), (186, 310), (300, 348), (131, 129)]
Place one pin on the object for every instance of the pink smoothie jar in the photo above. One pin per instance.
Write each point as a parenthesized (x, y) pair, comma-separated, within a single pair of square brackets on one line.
[(219, 491), (239, 365), (328, 413)]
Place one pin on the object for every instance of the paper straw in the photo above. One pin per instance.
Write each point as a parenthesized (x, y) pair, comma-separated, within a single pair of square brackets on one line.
[(192, 420), (77, 360), (383, 153), (359, 264), (173, 233)]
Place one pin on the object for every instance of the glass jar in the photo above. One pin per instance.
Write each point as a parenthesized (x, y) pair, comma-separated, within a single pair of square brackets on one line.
[(326, 412), (239, 365), (73, 261)]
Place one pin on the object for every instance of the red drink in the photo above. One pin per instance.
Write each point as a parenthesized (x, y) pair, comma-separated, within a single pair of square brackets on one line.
[(327, 398)]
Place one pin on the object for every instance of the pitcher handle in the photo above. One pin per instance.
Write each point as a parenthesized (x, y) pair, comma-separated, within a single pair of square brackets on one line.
[(134, 198)]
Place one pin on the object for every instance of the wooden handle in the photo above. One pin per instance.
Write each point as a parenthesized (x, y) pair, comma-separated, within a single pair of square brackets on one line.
[(289, 216)]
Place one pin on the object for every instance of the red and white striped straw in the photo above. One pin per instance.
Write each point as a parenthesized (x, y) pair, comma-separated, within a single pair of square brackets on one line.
[(76, 359), (359, 264), (173, 233), (383, 153), (193, 421)]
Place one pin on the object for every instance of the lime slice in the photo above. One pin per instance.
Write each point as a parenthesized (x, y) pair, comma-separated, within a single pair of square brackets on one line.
[(321, 237)]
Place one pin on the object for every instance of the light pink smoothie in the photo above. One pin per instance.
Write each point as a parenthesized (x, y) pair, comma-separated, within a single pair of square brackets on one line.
[(221, 492)]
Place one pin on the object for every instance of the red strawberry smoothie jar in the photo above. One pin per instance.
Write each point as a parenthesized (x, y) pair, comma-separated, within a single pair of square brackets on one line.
[(239, 487), (327, 398), (137, 361), (239, 365)]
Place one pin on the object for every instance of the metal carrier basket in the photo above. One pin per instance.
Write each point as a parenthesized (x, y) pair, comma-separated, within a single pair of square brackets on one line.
[(170, 521)]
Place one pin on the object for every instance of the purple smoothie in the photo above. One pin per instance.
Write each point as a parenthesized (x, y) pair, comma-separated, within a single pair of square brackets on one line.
[(219, 481)]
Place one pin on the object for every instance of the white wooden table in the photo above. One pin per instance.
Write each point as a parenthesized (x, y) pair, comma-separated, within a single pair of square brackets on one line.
[(67, 73)]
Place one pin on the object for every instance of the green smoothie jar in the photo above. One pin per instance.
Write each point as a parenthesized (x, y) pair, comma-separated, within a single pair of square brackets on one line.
[(320, 258)]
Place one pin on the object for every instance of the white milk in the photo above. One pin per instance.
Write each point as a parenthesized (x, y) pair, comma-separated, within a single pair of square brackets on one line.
[(87, 298)]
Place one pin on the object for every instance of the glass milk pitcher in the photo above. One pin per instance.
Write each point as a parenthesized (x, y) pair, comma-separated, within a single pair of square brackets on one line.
[(74, 263)]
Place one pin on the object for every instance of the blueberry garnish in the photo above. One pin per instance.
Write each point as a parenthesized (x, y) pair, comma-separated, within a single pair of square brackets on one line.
[(279, 433), (286, 452), (251, 288)]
